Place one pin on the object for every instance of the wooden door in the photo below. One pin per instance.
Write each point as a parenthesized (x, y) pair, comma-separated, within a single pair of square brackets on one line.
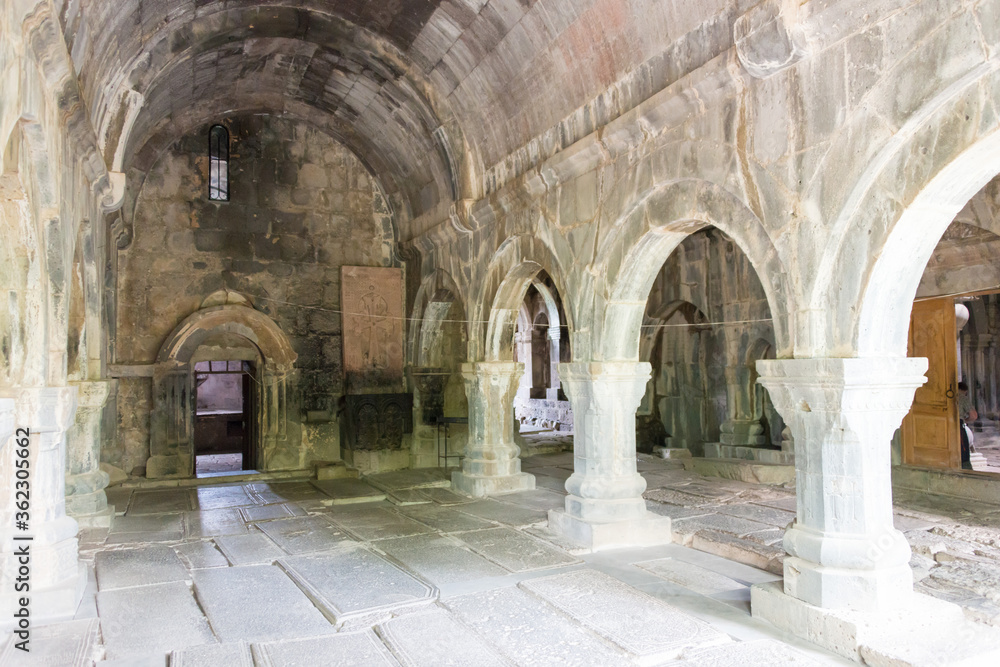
[(930, 430)]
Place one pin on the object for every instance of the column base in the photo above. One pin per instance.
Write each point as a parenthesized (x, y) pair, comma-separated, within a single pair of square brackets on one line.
[(859, 590), (926, 631), (479, 486), (46, 605), (648, 531)]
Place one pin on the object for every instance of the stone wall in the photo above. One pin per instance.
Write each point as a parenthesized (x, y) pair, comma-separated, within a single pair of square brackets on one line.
[(301, 206)]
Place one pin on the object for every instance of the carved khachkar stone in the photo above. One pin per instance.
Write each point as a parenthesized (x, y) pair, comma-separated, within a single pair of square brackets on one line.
[(377, 421), (372, 304)]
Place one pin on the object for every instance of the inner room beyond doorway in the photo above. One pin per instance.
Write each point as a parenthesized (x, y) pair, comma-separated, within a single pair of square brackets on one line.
[(221, 419)]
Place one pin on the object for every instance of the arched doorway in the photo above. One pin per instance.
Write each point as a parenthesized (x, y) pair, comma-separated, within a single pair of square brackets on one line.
[(227, 333)]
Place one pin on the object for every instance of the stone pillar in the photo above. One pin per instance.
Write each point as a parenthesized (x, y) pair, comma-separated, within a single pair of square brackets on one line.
[(57, 577), (86, 500), (843, 549), (605, 508), (491, 464), (743, 427), (428, 404), (552, 391)]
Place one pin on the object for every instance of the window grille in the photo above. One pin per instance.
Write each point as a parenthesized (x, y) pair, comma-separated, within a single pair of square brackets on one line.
[(218, 163)]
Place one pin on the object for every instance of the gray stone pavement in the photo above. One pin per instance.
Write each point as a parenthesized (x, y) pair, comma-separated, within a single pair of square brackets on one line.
[(284, 573)]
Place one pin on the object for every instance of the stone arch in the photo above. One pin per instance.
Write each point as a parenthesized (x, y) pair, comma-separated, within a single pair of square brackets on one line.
[(437, 288), (171, 420), (514, 266), (910, 186), (645, 236)]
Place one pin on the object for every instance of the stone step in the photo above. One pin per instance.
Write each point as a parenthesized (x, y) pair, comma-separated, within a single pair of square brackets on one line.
[(335, 470), (624, 615), (352, 584)]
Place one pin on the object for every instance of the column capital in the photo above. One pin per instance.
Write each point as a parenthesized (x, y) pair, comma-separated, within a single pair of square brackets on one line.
[(47, 409)]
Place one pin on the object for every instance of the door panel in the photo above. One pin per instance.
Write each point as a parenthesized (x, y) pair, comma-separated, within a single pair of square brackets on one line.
[(930, 430)]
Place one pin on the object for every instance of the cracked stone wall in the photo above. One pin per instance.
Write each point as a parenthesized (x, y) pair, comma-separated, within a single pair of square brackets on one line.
[(301, 205)]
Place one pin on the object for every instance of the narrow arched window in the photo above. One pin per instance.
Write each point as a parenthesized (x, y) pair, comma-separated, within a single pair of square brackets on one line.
[(218, 163)]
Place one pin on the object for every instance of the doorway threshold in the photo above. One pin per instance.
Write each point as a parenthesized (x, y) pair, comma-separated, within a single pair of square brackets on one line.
[(221, 478)]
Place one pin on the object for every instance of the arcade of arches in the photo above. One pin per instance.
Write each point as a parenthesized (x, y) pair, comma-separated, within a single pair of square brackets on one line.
[(507, 256)]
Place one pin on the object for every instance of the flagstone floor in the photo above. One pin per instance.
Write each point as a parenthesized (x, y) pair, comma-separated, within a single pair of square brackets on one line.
[(396, 569)]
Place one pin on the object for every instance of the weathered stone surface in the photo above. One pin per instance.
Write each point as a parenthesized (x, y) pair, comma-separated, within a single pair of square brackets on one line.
[(377, 524), (209, 523), (530, 632), (694, 577), (503, 513), (349, 491), (218, 497), (445, 497), (440, 559), (745, 654), (514, 550), (269, 512), (150, 619), (236, 654), (146, 528), (306, 534), (138, 567), (398, 480), (623, 615), (68, 644), (719, 522), (435, 638), (158, 502), (347, 648), (444, 519), (250, 549), (354, 583), (197, 555), (231, 599)]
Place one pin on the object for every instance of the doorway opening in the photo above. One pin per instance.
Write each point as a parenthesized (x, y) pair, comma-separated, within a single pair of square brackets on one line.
[(223, 417)]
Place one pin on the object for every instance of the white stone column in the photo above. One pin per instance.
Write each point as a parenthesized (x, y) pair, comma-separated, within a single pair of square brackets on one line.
[(843, 549), (86, 500), (491, 464), (552, 391), (605, 508), (57, 577)]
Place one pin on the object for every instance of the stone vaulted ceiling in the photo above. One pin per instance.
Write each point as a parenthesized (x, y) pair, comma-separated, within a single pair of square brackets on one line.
[(429, 94)]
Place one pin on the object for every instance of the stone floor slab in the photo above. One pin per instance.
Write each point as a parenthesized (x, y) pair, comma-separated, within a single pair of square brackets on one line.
[(770, 515), (515, 551), (691, 576), (440, 559), (536, 499), (348, 648), (348, 491), (504, 513), (151, 619), (201, 554), (154, 564), (624, 615), (356, 583), (444, 519), (251, 549), (404, 497), (160, 502), (675, 497), (219, 497), (146, 528), (377, 524), (410, 479), (720, 522), (269, 512), (118, 497), (436, 638), (530, 632), (305, 534), (256, 603), (69, 644), (210, 523), (445, 497), (745, 654), (679, 511), (236, 654)]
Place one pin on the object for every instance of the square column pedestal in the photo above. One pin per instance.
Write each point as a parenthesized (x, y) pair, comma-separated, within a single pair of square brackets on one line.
[(605, 508), (57, 578), (491, 465), (848, 585)]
